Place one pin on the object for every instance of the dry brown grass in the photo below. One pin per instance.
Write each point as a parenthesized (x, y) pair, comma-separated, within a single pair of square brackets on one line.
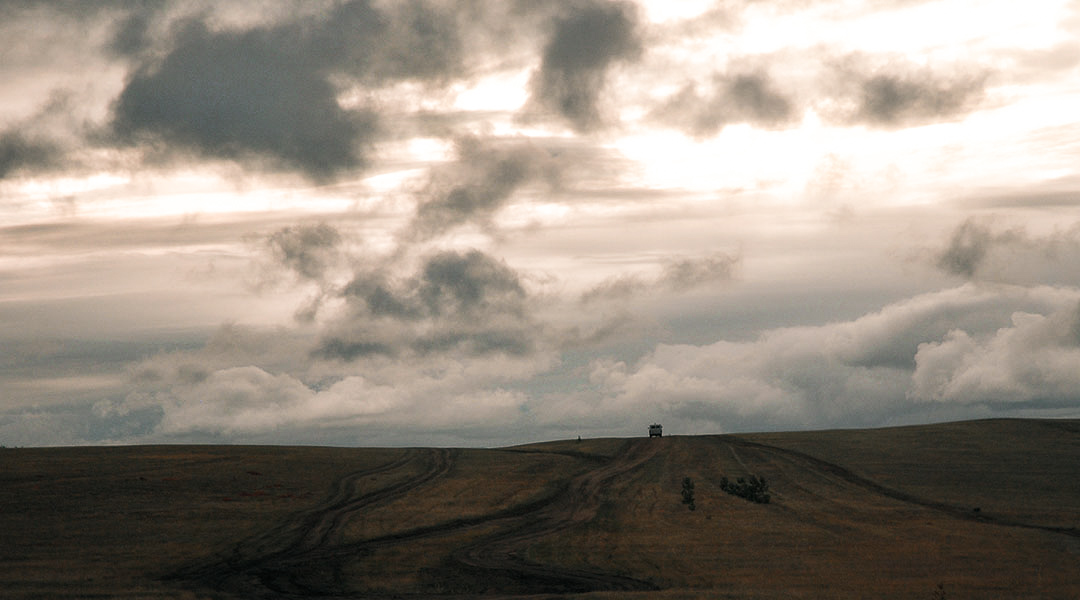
[(854, 514)]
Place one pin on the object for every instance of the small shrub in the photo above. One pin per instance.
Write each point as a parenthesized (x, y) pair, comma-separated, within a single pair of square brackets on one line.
[(688, 493), (755, 489)]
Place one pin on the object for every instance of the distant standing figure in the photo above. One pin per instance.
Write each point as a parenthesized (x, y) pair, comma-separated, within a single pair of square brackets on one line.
[(656, 430)]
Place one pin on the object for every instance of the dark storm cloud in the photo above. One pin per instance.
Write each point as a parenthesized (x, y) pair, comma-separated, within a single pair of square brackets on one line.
[(239, 95), (897, 94), (457, 286), (40, 142), (405, 40), (480, 182), (738, 98), (583, 45), (467, 284), (131, 35), (457, 301), (22, 152), (269, 94)]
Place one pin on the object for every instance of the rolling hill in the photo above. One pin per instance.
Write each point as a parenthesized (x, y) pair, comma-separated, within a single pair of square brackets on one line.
[(984, 509)]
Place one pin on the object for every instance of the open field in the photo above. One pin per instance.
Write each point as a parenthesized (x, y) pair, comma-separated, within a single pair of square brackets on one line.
[(987, 509)]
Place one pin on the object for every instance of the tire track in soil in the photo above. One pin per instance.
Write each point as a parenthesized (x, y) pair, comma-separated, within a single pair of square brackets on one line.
[(496, 563), (278, 562), (504, 552), (844, 475), (302, 559)]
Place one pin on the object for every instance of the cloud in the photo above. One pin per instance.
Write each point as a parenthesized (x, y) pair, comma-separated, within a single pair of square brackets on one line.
[(969, 345), (248, 401), (458, 302), (977, 249), (676, 274), (243, 95), (587, 41), (968, 246), (893, 94), (684, 273), (307, 250), (893, 100), (730, 98), (1036, 360), (42, 141), (482, 180), (20, 152), (230, 345), (248, 382), (267, 93)]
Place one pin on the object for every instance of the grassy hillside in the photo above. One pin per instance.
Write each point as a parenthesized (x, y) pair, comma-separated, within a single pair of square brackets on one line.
[(987, 509)]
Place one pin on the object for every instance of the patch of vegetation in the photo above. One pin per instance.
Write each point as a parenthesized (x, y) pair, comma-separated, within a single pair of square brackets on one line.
[(754, 489), (688, 493)]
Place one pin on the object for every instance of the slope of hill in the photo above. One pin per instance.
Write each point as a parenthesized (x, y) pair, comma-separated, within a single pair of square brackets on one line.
[(986, 509)]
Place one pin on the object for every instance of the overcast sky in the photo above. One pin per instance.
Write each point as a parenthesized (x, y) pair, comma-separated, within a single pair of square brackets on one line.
[(478, 223)]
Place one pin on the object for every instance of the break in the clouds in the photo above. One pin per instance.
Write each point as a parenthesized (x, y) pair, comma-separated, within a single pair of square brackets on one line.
[(440, 222)]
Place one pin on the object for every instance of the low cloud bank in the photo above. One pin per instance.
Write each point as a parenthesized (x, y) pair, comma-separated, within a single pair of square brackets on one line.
[(966, 352), (988, 349)]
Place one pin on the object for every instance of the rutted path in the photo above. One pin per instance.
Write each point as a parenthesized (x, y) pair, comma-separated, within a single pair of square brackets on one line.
[(279, 562), (303, 557), (578, 504), (497, 563), (809, 463)]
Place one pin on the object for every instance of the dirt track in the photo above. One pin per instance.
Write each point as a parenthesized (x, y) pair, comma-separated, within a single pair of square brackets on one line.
[(890, 514), (279, 562), (806, 463), (491, 548), (303, 556), (504, 551)]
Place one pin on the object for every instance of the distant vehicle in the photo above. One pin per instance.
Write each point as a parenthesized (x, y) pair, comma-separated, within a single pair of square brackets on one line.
[(656, 430)]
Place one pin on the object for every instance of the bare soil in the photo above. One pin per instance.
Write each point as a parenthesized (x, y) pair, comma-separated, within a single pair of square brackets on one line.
[(986, 509)]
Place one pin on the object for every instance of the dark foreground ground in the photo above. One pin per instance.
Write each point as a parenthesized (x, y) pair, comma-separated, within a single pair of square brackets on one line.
[(987, 509)]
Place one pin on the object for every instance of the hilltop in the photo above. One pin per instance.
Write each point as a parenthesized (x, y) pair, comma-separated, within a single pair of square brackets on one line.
[(984, 509)]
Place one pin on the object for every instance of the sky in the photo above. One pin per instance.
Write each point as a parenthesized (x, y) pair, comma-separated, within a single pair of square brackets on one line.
[(470, 223)]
